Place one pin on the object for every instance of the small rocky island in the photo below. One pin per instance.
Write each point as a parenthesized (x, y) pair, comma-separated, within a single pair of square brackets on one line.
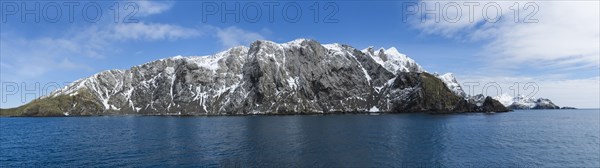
[(297, 77)]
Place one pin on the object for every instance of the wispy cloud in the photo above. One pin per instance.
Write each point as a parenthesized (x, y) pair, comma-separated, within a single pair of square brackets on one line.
[(97, 41), (564, 36), (30, 57), (91, 42), (147, 8), (561, 36), (150, 31), (233, 36)]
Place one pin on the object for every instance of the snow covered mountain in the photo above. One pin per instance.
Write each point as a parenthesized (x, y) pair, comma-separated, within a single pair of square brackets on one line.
[(452, 84), (297, 77), (393, 61), (523, 102), (396, 62)]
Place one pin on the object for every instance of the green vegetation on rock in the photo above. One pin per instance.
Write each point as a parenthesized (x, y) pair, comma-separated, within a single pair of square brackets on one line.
[(83, 103)]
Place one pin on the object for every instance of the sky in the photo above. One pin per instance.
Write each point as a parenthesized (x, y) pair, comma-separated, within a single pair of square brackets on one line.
[(544, 49)]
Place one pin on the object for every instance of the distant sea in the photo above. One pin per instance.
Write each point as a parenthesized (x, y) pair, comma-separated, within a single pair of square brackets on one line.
[(523, 138)]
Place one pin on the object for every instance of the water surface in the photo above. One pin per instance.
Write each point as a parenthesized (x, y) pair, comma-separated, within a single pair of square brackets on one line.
[(527, 138)]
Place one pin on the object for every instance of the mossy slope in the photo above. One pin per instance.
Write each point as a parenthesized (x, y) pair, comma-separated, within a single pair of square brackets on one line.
[(83, 103)]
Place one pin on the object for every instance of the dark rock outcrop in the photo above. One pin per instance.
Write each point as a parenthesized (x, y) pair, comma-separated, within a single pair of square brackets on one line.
[(490, 105)]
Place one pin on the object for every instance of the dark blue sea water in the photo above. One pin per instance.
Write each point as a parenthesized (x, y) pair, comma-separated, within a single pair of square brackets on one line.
[(547, 138)]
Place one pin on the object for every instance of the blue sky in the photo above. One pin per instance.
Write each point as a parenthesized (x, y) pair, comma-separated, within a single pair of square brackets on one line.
[(559, 52)]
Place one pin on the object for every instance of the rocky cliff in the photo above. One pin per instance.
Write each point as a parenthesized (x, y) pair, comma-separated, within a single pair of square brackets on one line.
[(298, 77)]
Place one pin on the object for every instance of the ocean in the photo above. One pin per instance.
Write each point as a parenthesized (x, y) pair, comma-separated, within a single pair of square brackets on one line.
[(523, 138)]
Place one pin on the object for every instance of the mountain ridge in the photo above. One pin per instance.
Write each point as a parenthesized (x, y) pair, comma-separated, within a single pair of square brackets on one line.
[(297, 77)]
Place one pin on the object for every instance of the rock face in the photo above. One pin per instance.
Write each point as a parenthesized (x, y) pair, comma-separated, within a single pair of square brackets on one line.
[(523, 102), (297, 77), (452, 84)]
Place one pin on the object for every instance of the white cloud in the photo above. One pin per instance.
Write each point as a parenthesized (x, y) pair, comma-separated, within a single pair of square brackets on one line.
[(24, 58), (31, 57), (147, 8), (566, 35), (151, 31), (233, 36), (34, 57), (453, 19), (562, 42)]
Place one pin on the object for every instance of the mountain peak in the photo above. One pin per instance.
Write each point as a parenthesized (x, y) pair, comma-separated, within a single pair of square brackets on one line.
[(298, 41), (393, 51), (393, 61), (450, 80)]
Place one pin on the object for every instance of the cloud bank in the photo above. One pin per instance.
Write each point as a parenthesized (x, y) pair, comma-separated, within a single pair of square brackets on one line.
[(542, 34)]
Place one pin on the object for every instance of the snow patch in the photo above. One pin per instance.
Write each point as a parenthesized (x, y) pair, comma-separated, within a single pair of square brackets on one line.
[(505, 99), (451, 83), (374, 109), (392, 60), (292, 82)]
